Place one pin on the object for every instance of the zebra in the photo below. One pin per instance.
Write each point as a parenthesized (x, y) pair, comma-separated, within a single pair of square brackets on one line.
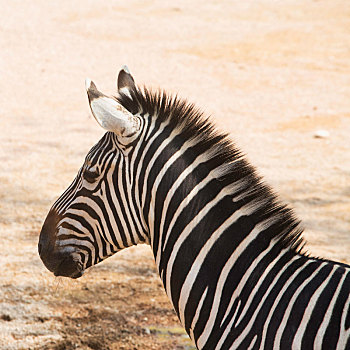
[(229, 253)]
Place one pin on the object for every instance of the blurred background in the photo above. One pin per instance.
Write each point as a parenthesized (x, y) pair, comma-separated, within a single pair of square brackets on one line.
[(274, 74)]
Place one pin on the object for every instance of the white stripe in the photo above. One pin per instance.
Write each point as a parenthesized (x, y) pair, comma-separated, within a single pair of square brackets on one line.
[(278, 298), (262, 301), (197, 313), (344, 334), (227, 269), (82, 228), (74, 241), (246, 210), (296, 345), (241, 285), (327, 317), (143, 154), (142, 224), (140, 201), (154, 158), (109, 242), (243, 246), (187, 230), (252, 343), (124, 201), (66, 198), (92, 204), (128, 189), (231, 189), (214, 174), (160, 176), (199, 160), (228, 328), (78, 225), (117, 207), (65, 232), (281, 328)]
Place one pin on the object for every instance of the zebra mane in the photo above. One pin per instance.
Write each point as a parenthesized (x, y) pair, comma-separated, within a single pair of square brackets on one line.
[(192, 123)]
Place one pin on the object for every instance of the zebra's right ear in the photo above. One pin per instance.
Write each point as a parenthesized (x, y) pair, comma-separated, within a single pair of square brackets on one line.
[(111, 115), (125, 81)]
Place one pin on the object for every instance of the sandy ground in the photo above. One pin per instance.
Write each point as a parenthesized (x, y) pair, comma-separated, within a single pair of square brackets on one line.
[(271, 73)]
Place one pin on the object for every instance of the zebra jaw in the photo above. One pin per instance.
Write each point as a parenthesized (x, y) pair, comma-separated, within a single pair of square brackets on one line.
[(111, 115)]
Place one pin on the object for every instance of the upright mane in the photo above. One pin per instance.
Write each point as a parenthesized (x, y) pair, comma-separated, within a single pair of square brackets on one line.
[(191, 122)]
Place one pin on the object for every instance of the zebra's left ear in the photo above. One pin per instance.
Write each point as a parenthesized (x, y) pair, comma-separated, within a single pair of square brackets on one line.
[(125, 81), (111, 115)]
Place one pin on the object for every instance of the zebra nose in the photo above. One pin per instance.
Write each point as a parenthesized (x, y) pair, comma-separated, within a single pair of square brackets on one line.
[(39, 248), (47, 254), (62, 263), (44, 248), (47, 239), (68, 266)]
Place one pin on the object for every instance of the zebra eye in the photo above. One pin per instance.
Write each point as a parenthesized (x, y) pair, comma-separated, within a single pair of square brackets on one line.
[(90, 175)]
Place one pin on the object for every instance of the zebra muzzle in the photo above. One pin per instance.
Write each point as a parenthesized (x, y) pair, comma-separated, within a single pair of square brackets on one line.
[(69, 267), (62, 261)]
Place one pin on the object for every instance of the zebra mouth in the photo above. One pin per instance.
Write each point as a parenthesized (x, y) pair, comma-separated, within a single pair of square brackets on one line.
[(77, 275), (74, 275), (69, 267)]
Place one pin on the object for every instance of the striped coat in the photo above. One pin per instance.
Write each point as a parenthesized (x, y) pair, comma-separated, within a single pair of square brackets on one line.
[(227, 251)]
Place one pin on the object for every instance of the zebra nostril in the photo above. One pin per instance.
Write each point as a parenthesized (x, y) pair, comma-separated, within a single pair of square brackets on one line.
[(44, 246), (47, 235), (39, 247)]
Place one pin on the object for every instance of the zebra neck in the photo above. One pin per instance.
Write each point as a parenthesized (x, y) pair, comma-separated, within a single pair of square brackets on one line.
[(198, 223)]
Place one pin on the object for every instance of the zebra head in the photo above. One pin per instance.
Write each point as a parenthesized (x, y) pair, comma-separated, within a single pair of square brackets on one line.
[(94, 217)]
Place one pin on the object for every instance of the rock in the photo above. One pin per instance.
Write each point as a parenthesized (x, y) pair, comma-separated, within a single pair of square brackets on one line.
[(321, 134)]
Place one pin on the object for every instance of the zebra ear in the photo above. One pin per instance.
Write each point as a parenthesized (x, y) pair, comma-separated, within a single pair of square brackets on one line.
[(110, 114), (125, 81)]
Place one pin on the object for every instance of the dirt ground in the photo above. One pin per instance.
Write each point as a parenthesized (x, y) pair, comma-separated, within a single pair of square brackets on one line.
[(271, 73)]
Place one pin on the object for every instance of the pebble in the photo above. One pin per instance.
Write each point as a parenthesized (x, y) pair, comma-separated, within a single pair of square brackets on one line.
[(321, 134)]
